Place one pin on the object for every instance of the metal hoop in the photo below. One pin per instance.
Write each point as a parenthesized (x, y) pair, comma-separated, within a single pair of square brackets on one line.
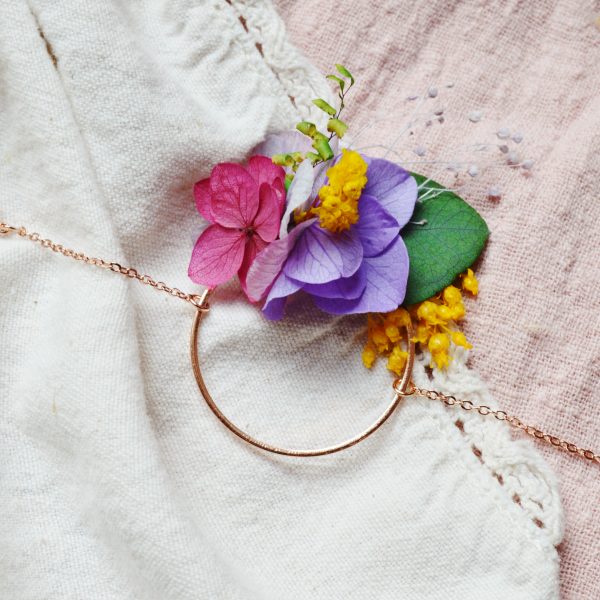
[(400, 387)]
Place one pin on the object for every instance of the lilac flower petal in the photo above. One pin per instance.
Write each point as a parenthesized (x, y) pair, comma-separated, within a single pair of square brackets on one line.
[(348, 288), (268, 263), (394, 187), (284, 143), (376, 227), (275, 302), (299, 194), (321, 256), (387, 275)]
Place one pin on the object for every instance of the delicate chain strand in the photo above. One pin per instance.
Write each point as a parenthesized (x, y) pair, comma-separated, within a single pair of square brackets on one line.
[(513, 421), (199, 301)]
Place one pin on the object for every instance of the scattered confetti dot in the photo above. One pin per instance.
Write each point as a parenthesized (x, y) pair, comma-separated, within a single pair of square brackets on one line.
[(438, 111), (503, 148), (412, 97), (432, 92), (475, 116), (494, 192), (451, 85), (503, 133), (528, 164), (512, 158), (419, 151), (473, 171), (517, 138)]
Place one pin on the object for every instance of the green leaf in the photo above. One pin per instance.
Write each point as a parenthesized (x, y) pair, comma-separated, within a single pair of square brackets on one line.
[(338, 80), (307, 128), (324, 106), (343, 71), (444, 237), (283, 160), (321, 145), (338, 127), (313, 157)]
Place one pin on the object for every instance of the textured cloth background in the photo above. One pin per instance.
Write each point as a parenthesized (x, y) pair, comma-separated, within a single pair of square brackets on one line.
[(116, 481), (536, 326)]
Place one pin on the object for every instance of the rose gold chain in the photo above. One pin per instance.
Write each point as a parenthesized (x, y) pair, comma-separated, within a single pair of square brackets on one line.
[(501, 415), (199, 301)]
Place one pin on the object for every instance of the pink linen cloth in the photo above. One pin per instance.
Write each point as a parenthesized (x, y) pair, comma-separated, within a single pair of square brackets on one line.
[(535, 326)]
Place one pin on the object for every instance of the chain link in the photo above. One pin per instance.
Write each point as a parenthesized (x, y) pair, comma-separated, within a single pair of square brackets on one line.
[(198, 301), (501, 415)]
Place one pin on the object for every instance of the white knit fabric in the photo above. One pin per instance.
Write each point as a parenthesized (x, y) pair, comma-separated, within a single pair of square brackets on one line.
[(116, 481)]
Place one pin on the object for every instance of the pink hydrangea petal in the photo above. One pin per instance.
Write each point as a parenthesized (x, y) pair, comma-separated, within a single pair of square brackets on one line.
[(267, 220), (217, 255), (264, 171), (254, 245), (234, 195), (269, 262), (202, 198)]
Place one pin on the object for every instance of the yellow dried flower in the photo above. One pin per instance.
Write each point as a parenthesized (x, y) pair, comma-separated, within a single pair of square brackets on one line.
[(398, 317), (397, 360), (444, 313), (338, 206), (379, 338), (458, 311), (434, 322), (470, 283), (438, 342), (459, 339), (393, 333), (427, 312), (422, 334), (441, 360), (369, 354), (452, 296)]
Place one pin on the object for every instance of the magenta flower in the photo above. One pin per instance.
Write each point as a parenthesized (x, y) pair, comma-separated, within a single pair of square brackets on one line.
[(244, 208), (362, 269)]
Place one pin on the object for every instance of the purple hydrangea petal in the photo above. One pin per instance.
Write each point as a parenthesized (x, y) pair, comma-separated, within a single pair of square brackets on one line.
[(275, 302), (347, 288), (394, 188), (387, 275), (321, 256), (376, 227), (269, 262)]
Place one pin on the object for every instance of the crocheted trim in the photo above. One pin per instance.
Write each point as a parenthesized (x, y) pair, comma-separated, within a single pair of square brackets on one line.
[(300, 80), (515, 466)]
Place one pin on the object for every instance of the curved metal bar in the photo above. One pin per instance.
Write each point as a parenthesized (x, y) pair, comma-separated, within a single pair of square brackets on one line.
[(400, 386)]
